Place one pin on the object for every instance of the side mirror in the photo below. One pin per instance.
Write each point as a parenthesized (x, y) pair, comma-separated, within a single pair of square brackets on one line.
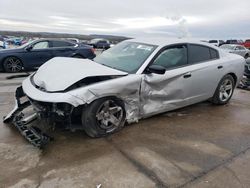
[(29, 48), (157, 69)]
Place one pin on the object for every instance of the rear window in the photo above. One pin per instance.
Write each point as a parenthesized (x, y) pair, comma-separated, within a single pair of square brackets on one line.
[(103, 41), (214, 54), (213, 41), (62, 44), (198, 53)]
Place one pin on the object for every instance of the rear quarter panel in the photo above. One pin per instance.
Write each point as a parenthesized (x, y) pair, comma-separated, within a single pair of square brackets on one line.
[(85, 52), (233, 64)]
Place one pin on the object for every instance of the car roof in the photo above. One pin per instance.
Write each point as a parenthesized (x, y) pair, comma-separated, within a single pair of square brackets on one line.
[(169, 41)]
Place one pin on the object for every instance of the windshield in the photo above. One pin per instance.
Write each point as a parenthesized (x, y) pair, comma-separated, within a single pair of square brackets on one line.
[(229, 47), (126, 56)]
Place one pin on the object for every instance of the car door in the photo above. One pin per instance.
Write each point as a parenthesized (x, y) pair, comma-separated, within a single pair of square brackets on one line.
[(192, 75), (62, 48), (37, 54), (205, 70), (162, 92)]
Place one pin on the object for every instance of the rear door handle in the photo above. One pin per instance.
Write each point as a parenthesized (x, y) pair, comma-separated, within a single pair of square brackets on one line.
[(187, 75), (220, 67)]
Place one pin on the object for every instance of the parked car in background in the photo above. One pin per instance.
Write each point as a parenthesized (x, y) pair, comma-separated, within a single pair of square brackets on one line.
[(2, 45), (35, 53), (236, 49), (247, 69), (17, 41), (100, 43), (245, 81), (234, 41), (216, 42), (134, 79), (247, 43)]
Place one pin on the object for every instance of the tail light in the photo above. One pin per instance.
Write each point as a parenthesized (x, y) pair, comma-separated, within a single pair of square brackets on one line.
[(93, 50)]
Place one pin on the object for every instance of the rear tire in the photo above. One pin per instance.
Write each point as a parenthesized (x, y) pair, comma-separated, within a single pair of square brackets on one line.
[(224, 91), (103, 117), (12, 65)]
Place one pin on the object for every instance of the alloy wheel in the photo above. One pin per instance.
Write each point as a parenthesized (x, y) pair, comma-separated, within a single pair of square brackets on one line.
[(13, 64), (109, 115), (226, 90)]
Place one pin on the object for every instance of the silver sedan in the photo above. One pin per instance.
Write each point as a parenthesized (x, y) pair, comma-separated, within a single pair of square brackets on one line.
[(135, 79), (236, 49)]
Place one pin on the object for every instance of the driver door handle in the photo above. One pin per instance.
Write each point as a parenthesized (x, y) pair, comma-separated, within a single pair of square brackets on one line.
[(220, 67), (187, 75)]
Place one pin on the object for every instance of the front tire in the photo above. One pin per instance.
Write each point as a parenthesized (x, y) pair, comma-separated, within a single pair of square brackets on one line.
[(103, 117), (224, 90), (12, 65), (246, 56)]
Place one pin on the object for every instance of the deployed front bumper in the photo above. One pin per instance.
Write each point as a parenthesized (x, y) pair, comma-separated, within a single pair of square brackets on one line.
[(49, 107), (33, 134)]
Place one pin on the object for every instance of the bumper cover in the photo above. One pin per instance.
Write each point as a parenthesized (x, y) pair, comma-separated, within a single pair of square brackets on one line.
[(33, 134)]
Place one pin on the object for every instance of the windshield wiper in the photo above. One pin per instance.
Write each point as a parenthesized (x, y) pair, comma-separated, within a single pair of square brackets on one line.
[(108, 66)]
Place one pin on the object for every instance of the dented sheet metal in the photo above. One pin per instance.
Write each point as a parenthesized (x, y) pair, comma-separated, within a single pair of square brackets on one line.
[(126, 88), (59, 73)]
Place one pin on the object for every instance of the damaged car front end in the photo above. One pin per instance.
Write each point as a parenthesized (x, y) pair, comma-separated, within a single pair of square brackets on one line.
[(135, 79), (61, 102)]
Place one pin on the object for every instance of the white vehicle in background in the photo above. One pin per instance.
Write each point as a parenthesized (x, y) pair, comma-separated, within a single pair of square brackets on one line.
[(216, 42), (236, 49)]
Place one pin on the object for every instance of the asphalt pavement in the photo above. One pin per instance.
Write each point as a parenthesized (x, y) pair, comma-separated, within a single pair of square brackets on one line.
[(202, 145)]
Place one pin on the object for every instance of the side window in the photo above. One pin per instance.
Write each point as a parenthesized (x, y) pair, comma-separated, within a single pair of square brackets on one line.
[(214, 54), (102, 42), (240, 48), (57, 44), (41, 45), (172, 57), (198, 53)]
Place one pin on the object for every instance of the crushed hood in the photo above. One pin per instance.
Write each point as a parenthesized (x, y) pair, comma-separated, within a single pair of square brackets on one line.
[(60, 72)]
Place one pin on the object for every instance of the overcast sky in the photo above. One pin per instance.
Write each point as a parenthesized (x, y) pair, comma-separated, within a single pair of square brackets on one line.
[(193, 18)]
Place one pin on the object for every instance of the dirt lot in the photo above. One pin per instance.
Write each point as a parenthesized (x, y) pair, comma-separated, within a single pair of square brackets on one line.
[(198, 146)]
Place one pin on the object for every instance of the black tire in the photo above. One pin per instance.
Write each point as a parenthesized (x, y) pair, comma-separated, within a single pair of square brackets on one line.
[(12, 65), (221, 88), (246, 56), (95, 127)]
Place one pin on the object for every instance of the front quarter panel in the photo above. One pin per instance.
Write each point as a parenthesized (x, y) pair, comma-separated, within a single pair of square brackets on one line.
[(126, 88)]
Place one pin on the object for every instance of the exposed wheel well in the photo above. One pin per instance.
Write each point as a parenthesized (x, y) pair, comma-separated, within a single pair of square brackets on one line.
[(108, 97), (12, 56), (234, 77), (81, 107)]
